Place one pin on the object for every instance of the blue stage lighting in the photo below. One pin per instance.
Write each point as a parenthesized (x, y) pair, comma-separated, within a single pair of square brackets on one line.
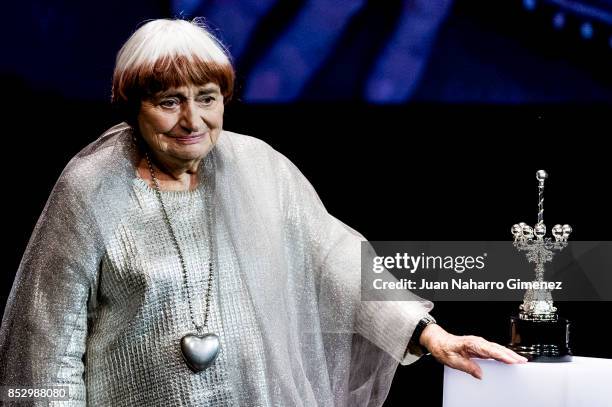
[(529, 4), (586, 30), (559, 21)]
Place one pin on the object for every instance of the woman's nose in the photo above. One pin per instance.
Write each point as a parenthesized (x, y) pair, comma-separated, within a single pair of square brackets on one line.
[(192, 118)]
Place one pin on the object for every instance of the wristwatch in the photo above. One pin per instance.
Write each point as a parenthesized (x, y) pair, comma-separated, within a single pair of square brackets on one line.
[(414, 346)]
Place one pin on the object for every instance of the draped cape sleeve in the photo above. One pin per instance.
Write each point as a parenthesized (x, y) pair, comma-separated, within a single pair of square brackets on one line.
[(328, 346), (44, 327)]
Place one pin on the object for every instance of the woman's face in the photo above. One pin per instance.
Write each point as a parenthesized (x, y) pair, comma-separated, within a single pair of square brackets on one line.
[(181, 125)]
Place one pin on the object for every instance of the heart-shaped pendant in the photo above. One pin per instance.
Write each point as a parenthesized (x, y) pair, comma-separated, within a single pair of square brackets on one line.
[(200, 351)]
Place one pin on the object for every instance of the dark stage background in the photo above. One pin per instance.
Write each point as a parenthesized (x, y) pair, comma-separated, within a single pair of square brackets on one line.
[(448, 149)]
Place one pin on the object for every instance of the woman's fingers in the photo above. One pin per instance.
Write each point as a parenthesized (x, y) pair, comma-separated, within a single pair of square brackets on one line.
[(456, 351), (518, 358), (482, 348), (479, 347), (467, 365)]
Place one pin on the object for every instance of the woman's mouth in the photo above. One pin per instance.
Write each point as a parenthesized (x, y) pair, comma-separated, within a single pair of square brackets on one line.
[(191, 139)]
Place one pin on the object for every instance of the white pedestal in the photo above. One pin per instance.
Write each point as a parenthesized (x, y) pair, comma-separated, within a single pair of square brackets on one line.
[(584, 382)]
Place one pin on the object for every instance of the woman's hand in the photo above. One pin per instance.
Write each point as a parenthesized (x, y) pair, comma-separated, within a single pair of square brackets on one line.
[(456, 351)]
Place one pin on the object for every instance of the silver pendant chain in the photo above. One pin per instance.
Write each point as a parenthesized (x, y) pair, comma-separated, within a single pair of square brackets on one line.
[(198, 327)]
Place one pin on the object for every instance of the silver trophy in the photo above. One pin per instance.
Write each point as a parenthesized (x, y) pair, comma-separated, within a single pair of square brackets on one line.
[(538, 333)]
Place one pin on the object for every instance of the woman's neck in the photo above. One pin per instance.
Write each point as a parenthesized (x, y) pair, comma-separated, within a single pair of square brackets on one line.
[(171, 177)]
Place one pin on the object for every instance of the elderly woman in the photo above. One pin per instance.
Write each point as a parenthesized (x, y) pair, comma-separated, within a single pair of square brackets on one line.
[(177, 263)]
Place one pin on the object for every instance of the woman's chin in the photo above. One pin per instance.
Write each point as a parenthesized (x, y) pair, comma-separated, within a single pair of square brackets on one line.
[(192, 152)]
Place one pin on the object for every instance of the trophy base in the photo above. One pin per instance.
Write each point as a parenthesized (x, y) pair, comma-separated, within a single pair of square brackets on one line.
[(541, 341)]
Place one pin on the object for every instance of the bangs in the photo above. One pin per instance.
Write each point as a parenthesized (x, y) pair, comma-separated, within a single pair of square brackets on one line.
[(170, 72)]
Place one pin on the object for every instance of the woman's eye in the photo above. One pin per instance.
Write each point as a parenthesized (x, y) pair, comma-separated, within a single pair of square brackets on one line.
[(169, 103), (207, 100)]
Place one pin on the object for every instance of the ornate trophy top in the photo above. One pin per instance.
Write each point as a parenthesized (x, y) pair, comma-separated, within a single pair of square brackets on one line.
[(538, 304), (541, 175), (525, 233)]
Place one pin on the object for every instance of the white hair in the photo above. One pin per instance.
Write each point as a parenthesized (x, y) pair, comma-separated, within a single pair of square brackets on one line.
[(166, 53), (163, 38)]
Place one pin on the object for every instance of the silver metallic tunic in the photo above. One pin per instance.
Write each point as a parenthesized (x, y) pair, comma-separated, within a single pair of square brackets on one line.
[(99, 303), (133, 353)]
